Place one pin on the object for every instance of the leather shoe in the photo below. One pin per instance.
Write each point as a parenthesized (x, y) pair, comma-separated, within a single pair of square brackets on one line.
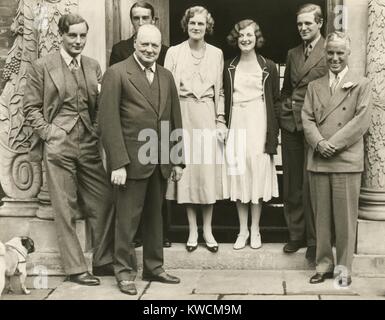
[(85, 279), (311, 253), (191, 247), (127, 287), (321, 277), (293, 246), (162, 277), (344, 281), (105, 270), (166, 243), (138, 243)]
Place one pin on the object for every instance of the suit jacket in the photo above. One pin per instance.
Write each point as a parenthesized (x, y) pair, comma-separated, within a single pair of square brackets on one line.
[(298, 74), (126, 110), (271, 94), (342, 119), (44, 93), (125, 48)]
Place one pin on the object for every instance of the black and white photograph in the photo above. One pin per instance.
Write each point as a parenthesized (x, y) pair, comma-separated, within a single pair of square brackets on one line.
[(210, 152)]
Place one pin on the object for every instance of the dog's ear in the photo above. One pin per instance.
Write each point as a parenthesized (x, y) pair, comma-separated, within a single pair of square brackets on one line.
[(28, 244)]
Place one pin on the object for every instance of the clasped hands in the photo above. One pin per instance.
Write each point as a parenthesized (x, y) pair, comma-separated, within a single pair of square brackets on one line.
[(326, 149), (119, 176)]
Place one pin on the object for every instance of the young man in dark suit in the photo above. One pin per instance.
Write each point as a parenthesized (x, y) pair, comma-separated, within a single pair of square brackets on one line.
[(305, 63), (139, 97), (60, 103)]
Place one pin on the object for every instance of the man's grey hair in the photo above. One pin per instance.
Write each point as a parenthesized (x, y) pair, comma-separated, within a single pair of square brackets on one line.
[(145, 27), (339, 36)]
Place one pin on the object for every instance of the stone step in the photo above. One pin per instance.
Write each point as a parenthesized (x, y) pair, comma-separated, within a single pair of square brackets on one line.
[(269, 257)]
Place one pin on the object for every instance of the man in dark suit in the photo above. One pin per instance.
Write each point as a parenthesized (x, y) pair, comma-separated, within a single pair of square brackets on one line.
[(139, 100), (142, 13), (336, 114), (304, 64), (60, 103)]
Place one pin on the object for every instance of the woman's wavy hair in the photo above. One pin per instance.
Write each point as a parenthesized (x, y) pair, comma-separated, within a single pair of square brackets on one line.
[(232, 38), (190, 12)]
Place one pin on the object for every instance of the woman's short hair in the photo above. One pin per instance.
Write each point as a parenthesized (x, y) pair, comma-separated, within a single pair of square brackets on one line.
[(67, 20), (190, 12), (311, 8), (232, 38)]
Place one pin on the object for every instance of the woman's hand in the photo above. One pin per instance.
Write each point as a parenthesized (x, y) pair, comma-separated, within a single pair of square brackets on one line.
[(221, 131)]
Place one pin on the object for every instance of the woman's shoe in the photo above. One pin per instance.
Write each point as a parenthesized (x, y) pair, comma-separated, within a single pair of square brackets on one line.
[(211, 246), (241, 241), (255, 240), (191, 247)]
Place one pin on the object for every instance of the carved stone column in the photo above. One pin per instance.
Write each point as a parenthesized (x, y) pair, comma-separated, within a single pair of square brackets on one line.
[(371, 231)]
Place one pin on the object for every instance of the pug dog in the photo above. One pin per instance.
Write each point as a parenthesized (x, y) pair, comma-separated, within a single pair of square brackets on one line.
[(13, 262)]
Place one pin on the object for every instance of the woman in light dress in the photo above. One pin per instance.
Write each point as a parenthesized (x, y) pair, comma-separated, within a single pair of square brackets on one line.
[(197, 69), (251, 99)]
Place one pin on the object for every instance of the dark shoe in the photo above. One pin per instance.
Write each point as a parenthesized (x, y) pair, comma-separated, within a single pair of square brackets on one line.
[(127, 287), (138, 243), (105, 270), (166, 243), (162, 277), (85, 278), (311, 253), (211, 246), (293, 246), (344, 281), (191, 248), (321, 277)]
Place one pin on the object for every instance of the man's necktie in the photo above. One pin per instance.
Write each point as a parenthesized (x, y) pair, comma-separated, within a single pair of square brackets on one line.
[(149, 75), (74, 65), (308, 50), (334, 85)]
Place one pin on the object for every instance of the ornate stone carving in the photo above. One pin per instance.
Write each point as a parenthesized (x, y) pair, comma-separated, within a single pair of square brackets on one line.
[(372, 200)]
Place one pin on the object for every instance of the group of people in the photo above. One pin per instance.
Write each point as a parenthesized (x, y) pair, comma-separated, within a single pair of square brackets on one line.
[(322, 110)]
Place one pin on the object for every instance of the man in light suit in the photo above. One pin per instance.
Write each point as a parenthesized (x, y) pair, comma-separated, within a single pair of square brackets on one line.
[(305, 63), (140, 13), (143, 13), (336, 114), (60, 103), (140, 96)]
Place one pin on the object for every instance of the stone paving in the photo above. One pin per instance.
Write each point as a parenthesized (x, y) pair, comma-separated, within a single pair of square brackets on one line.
[(213, 285)]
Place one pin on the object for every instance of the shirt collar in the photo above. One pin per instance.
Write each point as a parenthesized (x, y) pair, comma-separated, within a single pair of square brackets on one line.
[(314, 42), (67, 58), (152, 68), (340, 75)]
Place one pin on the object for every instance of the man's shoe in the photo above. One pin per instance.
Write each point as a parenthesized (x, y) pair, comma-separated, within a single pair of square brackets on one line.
[(166, 243), (293, 246), (344, 281), (85, 279), (311, 253), (105, 270), (127, 287), (138, 243), (321, 277), (162, 277)]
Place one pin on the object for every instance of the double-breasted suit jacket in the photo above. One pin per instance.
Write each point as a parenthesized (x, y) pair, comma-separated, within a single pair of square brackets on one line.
[(61, 106), (131, 110), (342, 119)]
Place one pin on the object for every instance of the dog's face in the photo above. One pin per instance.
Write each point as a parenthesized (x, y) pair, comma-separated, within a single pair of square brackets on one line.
[(28, 243)]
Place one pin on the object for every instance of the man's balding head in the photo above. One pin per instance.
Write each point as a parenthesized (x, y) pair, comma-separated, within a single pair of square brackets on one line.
[(147, 44)]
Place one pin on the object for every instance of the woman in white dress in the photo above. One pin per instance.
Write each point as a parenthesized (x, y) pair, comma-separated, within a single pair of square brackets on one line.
[(251, 87), (197, 68)]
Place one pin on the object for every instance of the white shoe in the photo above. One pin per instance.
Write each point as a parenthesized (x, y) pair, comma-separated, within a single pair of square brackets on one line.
[(241, 241), (255, 240)]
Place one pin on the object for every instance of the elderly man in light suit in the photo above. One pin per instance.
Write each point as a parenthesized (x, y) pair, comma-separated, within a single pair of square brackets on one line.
[(140, 96), (336, 114)]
